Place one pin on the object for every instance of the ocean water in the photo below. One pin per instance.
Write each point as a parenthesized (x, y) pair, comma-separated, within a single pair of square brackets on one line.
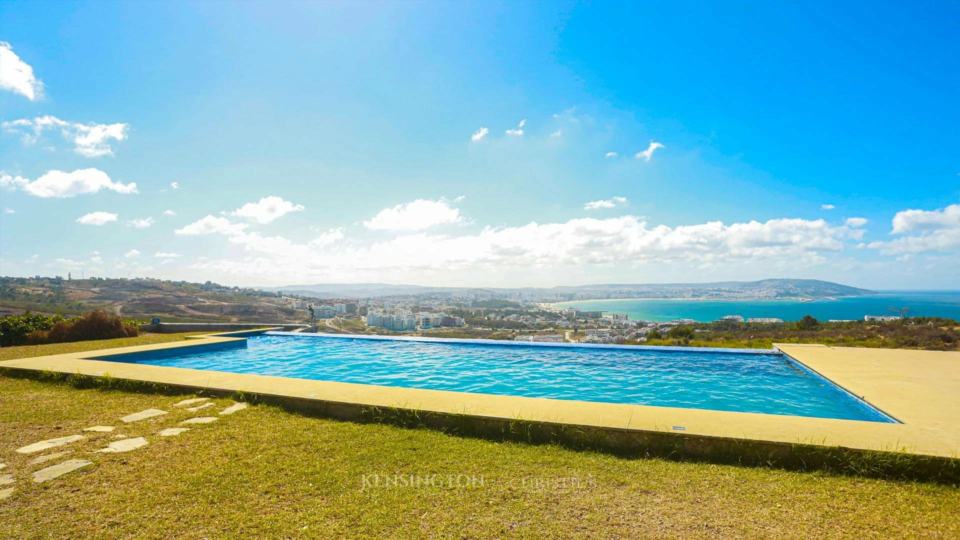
[(701, 379), (919, 304)]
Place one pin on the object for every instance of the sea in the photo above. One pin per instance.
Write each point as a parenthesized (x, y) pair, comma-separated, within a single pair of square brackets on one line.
[(911, 303)]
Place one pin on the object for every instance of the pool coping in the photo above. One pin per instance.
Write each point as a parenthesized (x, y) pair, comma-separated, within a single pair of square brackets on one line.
[(927, 427)]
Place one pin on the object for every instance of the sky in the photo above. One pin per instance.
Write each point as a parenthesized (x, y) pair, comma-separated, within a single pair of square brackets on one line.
[(481, 143)]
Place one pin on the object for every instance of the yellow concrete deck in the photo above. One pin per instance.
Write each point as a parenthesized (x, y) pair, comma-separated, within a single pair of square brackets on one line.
[(921, 389)]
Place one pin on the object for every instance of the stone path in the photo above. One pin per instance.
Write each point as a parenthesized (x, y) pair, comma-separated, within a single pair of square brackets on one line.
[(234, 408), (199, 407), (188, 402), (48, 457), (59, 469), (200, 420), (120, 443), (49, 443), (125, 445), (143, 415)]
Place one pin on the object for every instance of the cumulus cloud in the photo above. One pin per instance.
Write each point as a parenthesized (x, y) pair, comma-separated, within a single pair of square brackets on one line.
[(415, 216), (856, 222), (133, 253), (166, 255), (267, 209), (140, 223), (647, 154), (612, 202), (175, 185), (611, 155), (169, 213), (556, 134), (517, 131), (827, 207), (89, 140), (210, 225), (97, 218), (61, 184), (479, 134), (923, 230), (17, 76), (587, 242)]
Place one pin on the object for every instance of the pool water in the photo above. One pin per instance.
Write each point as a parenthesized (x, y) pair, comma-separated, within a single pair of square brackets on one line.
[(698, 379)]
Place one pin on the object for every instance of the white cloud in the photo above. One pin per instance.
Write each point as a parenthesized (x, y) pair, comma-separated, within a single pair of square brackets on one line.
[(415, 216), (556, 134), (174, 185), (140, 223), (166, 255), (827, 207), (479, 134), (266, 209), (612, 202), (907, 221), (132, 254), (923, 230), (210, 225), (517, 131), (17, 75), (856, 222), (61, 184), (610, 155), (97, 218), (9, 211), (647, 154), (89, 140), (579, 243), (169, 213)]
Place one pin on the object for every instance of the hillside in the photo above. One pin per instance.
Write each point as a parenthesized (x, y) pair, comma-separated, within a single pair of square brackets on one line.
[(767, 288), (144, 299)]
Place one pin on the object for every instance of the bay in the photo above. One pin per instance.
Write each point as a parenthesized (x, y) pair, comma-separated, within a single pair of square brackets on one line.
[(916, 303)]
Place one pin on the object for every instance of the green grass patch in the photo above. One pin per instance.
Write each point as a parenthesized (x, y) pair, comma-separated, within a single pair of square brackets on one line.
[(30, 351)]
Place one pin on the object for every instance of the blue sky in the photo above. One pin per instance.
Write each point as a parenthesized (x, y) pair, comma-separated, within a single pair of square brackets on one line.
[(335, 142)]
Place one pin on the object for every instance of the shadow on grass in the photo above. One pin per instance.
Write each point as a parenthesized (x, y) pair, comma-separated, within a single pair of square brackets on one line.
[(631, 444)]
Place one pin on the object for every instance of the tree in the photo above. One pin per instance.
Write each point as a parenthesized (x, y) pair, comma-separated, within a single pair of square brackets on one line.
[(808, 323)]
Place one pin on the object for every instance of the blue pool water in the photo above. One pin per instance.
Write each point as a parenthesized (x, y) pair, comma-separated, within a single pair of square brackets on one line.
[(726, 381)]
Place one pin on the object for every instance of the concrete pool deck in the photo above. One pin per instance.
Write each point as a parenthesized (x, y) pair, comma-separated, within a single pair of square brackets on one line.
[(921, 389)]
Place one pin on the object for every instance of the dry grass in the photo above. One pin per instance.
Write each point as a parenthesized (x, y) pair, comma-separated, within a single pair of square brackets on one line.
[(267, 472)]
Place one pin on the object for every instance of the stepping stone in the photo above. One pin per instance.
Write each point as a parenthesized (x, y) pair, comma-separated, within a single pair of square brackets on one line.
[(6, 479), (234, 408), (48, 457), (125, 445), (5, 493), (199, 407), (171, 431), (49, 443), (100, 429), (191, 401), (60, 469), (143, 415), (200, 420)]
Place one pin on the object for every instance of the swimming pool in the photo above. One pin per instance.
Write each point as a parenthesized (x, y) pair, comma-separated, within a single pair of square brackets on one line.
[(724, 380)]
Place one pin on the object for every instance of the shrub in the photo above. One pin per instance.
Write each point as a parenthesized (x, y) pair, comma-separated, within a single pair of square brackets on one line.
[(15, 329), (93, 325)]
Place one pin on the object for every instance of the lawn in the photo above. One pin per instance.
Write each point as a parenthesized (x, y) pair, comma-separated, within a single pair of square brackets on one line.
[(267, 472)]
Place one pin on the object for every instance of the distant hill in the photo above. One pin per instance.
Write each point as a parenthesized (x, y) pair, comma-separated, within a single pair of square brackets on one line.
[(144, 299), (767, 288)]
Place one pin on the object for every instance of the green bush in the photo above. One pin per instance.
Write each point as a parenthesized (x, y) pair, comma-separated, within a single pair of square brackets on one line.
[(35, 329), (93, 325), (15, 329)]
